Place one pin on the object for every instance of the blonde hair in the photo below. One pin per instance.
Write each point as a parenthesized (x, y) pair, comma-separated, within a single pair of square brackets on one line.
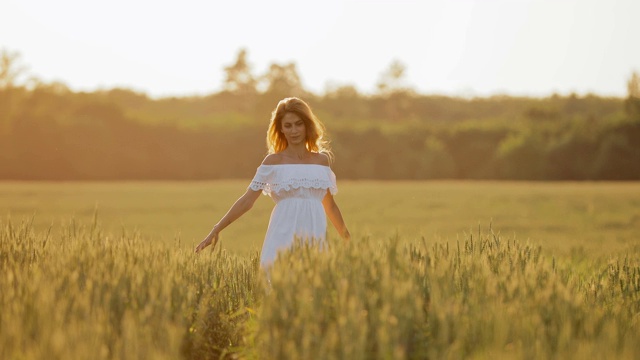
[(315, 137)]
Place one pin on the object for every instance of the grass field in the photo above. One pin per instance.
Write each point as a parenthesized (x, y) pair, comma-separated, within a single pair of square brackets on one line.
[(556, 276), (565, 218)]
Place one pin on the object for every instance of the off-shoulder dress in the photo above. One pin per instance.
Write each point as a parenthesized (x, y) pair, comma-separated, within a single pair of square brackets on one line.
[(298, 190)]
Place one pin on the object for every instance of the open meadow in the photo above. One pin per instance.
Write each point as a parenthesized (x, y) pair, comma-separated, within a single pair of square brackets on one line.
[(442, 269), (599, 218)]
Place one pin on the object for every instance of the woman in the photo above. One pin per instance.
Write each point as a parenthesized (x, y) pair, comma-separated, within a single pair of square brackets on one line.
[(297, 176)]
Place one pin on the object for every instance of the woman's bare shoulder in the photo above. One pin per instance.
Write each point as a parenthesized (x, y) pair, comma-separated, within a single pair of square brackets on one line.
[(322, 159), (272, 159)]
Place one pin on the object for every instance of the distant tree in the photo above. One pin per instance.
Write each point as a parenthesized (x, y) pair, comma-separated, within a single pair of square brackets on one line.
[(10, 69), (618, 154), (238, 77), (393, 79), (394, 95), (10, 95), (283, 80), (279, 82), (344, 101), (55, 87), (335, 91), (538, 113), (126, 97), (633, 86), (632, 103)]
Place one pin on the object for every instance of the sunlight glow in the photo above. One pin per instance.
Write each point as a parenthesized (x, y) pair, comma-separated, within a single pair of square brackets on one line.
[(482, 47)]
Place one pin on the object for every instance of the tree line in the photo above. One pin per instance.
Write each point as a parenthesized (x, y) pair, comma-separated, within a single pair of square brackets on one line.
[(48, 132)]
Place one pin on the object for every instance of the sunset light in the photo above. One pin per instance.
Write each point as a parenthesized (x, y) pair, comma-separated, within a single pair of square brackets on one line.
[(292, 179), (462, 47)]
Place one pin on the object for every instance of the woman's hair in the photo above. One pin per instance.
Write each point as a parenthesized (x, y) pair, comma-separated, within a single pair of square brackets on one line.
[(315, 139)]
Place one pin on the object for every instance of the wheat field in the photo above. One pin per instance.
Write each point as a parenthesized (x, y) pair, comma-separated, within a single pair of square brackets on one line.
[(564, 217), (435, 270)]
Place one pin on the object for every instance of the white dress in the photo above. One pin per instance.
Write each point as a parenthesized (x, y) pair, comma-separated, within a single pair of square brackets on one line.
[(298, 190)]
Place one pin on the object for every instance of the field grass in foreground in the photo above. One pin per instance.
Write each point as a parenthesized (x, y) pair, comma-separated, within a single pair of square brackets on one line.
[(582, 220), (82, 293)]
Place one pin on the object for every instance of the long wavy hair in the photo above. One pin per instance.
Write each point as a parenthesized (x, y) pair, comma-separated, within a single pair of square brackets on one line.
[(315, 137)]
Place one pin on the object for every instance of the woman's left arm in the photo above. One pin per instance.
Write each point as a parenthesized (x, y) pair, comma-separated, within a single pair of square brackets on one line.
[(334, 214)]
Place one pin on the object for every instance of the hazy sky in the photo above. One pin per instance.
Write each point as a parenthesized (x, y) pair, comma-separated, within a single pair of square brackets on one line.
[(457, 47)]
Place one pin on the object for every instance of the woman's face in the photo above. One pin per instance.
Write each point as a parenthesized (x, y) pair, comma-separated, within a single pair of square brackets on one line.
[(293, 129)]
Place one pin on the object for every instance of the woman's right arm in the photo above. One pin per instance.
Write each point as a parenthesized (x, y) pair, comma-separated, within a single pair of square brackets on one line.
[(241, 206)]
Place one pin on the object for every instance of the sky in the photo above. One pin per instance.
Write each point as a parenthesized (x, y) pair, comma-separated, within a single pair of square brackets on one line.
[(449, 47)]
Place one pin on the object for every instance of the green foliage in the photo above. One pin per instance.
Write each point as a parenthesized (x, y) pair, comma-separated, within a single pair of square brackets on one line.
[(10, 69), (49, 132), (632, 103), (619, 154), (238, 78), (472, 146), (521, 156)]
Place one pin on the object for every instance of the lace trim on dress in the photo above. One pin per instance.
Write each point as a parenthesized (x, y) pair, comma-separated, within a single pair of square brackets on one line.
[(293, 184), (276, 178)]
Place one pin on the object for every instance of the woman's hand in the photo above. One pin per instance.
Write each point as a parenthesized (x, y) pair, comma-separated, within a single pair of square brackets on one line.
[(241, 206), (346, 235), (211, 239)]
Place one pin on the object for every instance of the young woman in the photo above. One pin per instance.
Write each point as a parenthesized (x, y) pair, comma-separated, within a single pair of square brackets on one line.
[(297, 176)]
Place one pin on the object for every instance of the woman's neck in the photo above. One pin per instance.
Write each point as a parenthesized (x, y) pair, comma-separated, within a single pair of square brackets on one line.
[(299, 152)]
